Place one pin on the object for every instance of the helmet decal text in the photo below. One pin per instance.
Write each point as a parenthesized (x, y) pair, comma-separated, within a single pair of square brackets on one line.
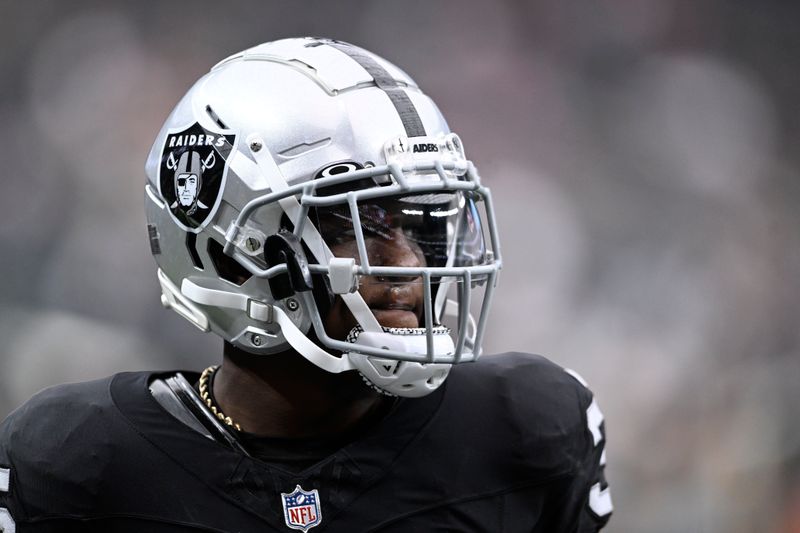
[(192, 173)]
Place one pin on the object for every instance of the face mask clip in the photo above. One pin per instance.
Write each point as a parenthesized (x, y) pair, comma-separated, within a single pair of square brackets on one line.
[(284, 248)]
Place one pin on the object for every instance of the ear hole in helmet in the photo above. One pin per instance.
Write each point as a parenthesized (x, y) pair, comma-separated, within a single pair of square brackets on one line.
[(227, 268), (191, 245)]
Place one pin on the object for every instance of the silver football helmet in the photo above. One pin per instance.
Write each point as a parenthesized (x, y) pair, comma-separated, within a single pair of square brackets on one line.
[(306, 195)]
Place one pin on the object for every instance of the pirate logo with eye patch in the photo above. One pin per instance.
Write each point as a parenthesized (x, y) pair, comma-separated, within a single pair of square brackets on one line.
[(194, 164)]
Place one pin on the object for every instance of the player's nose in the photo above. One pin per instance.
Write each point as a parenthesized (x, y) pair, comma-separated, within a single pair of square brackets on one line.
[(399, 251)]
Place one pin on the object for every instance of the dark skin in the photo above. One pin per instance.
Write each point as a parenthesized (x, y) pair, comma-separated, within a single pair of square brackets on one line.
[(284, 395)]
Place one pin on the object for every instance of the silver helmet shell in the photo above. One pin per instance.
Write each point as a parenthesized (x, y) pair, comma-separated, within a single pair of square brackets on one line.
[(260, 132)]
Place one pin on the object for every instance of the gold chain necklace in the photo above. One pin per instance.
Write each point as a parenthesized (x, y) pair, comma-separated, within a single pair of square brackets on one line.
[(205, 395)]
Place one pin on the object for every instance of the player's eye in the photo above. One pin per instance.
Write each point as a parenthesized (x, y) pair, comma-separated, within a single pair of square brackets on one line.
[(344, 236), (181, 182)]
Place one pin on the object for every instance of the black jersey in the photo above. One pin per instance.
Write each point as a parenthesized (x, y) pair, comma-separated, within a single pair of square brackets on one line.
[(511, 443)]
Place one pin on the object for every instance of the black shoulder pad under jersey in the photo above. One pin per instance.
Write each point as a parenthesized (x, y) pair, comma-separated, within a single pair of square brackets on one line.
[(77, 462), (508, 449), (56, 447), (550, 419), (527, 402)]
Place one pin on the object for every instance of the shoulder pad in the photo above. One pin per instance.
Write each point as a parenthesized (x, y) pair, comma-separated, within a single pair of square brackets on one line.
[(531, 400), (57, 444)]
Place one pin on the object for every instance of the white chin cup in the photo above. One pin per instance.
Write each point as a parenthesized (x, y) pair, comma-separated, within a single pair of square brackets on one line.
[(401, 378)]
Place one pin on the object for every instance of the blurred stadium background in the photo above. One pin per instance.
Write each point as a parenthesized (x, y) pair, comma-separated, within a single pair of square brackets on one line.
[(643, 154)]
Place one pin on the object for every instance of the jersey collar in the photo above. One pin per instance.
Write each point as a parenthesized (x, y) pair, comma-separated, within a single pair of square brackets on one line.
[(255, 486)]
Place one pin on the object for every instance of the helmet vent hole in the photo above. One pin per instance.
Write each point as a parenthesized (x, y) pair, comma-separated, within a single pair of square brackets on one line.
[(227, 268), (339, 169), (215, 118), (191, 245)]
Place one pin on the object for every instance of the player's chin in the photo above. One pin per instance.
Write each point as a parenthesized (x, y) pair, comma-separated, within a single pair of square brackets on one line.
[(396, 318)]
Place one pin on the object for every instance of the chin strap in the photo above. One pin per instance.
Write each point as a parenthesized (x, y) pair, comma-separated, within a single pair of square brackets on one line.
[(192, 294), (399, 378), (172, 298), (308, 348)]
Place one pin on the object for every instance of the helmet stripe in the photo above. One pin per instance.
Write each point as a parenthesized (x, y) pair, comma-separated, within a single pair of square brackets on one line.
[(384, 81)]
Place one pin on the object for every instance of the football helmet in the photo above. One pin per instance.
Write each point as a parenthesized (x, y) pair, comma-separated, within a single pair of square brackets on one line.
[(306, 195)]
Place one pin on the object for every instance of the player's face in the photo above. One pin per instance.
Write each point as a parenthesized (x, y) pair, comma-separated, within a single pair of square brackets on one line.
[(396, 301)]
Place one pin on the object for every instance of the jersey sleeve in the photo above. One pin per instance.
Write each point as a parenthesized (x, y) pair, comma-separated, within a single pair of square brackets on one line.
[(556, 425), (581, 501), (590, 490)]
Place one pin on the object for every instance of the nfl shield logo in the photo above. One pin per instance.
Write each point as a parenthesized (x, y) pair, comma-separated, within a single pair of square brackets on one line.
[(301, 509)]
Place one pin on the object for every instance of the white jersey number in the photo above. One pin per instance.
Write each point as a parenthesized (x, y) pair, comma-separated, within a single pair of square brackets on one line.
[(7, 524)]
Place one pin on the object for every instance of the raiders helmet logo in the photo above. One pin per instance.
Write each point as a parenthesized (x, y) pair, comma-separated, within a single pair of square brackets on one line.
[(194, 163)]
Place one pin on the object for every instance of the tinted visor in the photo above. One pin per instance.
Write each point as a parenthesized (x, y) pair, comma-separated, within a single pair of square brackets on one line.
[(421, 230)]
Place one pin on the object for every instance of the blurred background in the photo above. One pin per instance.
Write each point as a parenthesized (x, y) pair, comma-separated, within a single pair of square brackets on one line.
[(643, 155)]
